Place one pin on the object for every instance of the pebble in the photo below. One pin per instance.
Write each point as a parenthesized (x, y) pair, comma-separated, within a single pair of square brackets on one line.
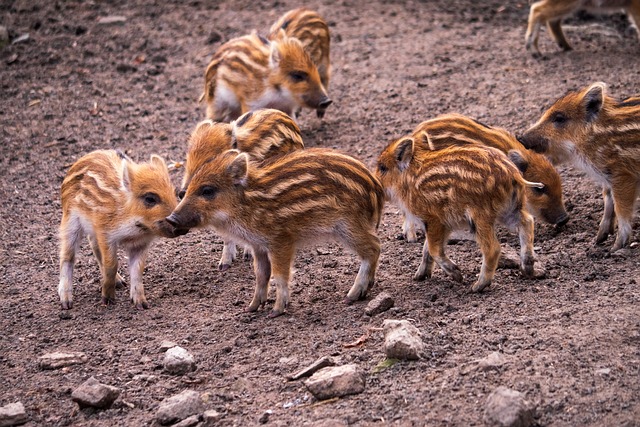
[(166, 345), (211, 418), (21, 39), (114, 19), (93, 394), (178, 361), (12, 414), (179, 407), (402, 340), (4, 36), (58, 360), (381, 303), (335, 382), (508, 408), (323, 362), (188, 422)]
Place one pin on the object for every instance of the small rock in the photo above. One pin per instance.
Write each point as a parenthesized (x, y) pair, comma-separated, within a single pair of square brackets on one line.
[(603, 371), (335, 382), (211, 418), (177, 408), (264, 418), (509, 258), (508, 408), (12, 414), (493, 361), (381, 303), (323, 362), (93, 394), (166, 345), (178, 361), (58, 360), (188, 422), (402, 340), (110, 20), (4, 36), (21, 39)]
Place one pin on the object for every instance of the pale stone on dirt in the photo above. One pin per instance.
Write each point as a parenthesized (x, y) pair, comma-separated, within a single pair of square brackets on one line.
[(508, 408), (402, 340), (12, 414), (335, 382), (179, 407), (381, 303), (188, 422), (58, 360), (323, 362), (4, 36), (493, 361), (211, 418), (166, 345), (93, 394), (178, 361), (110, 20)]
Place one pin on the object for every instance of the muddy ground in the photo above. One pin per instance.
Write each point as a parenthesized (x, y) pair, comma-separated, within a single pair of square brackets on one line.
[(571, 340)]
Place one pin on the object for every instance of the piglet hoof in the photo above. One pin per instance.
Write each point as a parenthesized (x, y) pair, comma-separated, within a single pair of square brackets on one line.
[(274, 313), (106, 301), (348, 301), (142, 305), (420, 277), (224, 267), (602, 236), (478, 286), (66, 305)]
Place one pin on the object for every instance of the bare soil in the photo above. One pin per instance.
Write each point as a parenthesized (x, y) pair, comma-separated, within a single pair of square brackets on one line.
[(571, 340)]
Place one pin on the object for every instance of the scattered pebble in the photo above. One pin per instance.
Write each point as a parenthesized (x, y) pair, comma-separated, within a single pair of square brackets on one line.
[(323, 362), (13, 414), (211, 418), (21, 39), (508, 408), (93, 394), (335, 382), (166, 345), (58, 360), (381, 303), (179, 407), (188, 422), (114, 19), (178, 361), (264, 418), (402, 340)]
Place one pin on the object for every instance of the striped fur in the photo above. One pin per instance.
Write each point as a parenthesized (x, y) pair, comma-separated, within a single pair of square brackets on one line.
[(455, 187), (114, 202), (602, 137), (313, 32), (297, 199), (453, 129), (551, 13), (251, 72)]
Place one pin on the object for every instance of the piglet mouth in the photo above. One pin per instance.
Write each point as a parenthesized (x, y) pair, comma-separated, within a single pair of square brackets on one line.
[(534, 143), (165, 229)]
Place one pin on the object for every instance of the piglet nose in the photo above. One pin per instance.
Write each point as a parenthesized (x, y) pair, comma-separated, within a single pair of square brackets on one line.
[(324, 103), (562, 220), (173, 220)]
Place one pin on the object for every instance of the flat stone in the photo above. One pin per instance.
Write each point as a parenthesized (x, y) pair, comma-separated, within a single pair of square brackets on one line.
[(335, 382), (114, 19), (178, 361), (494, 360), (508, 408), (59, 360), (166, 345), (179, 407), (23, 38), (323, 362), (402, 340), (188, 422), (211, 418), (13, 414), (381, 303), (93, 394)]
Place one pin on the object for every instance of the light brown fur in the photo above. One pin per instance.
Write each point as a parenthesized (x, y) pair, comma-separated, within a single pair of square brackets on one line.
[(602, 137), (551, 13), (250, 72), (313, 32), (454, 187), (298, 199), (114, 202)]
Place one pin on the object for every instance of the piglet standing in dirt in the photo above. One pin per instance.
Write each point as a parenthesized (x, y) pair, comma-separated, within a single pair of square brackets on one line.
[(114, 202), (250, 72), (297, 199), (602, 137), (551, 13), (543, 202), (456, 187), (313, 32), (264, 134)]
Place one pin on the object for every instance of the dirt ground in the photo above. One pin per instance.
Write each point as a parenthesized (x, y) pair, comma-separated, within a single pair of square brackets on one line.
[(571, 340)]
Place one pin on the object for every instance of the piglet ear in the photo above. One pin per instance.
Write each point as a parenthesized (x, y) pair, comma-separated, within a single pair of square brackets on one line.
[(404, 153), (517, 159), (274, 56), (159, 162), (239, 169), (594, 99), (125, 176)]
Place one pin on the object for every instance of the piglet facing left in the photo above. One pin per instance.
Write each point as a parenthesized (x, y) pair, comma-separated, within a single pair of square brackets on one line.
[(114, 202)]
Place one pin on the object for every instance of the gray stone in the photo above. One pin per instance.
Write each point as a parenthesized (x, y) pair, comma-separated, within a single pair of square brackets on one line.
[(12, 414), (494, 360), (59, 360), (23, 38), (508, 408), (166, 345), (93, 394), (178, 361), (179, 407), (402, 340), (188, 422), (381, 303), (4, 36), (335, 382), (323, 362), (110, 20), (211, 418)]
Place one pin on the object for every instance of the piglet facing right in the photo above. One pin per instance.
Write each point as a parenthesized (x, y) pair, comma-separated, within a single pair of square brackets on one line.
[(294, 200), (454, 187), (114, 202)]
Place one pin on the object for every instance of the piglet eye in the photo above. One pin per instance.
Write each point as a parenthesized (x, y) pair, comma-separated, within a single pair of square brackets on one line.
[(559, 119), (382, 168), (208, 192), (150, 199), (540, 191), (298, 76)]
